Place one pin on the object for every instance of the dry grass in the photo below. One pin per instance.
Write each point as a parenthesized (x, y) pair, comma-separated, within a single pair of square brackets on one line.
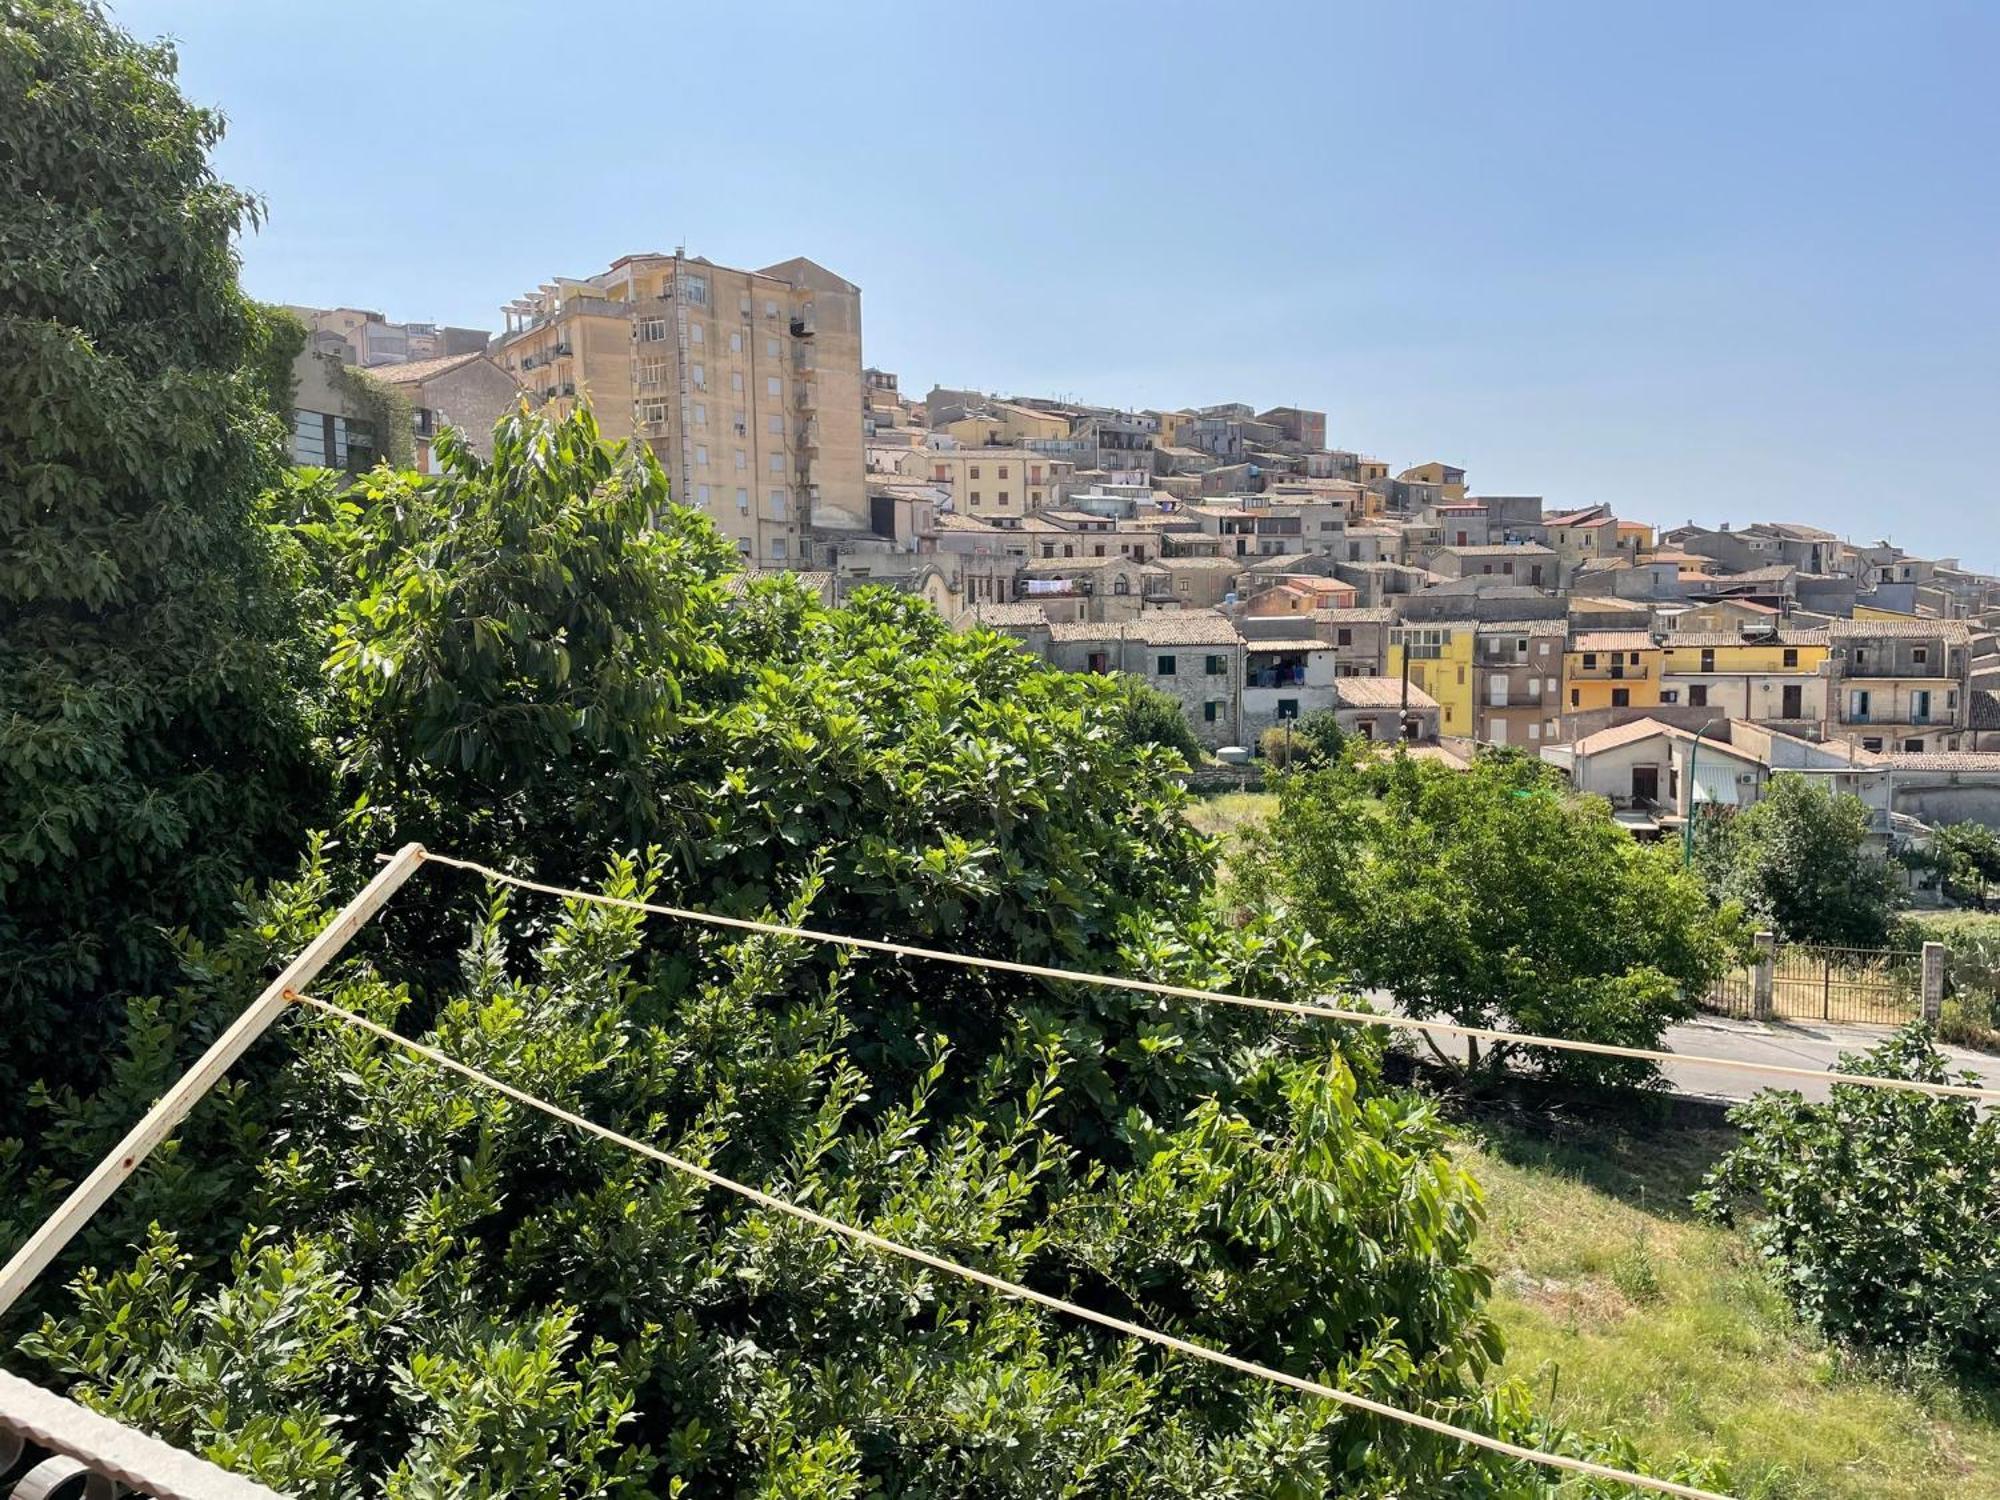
[(1623, 1313)]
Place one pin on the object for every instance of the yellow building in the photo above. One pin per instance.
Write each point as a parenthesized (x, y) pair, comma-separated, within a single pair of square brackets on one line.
[(1611, 669), (1779, 677), (1440, 656), (1449, 479), (747, 385), (993, 481), (1001, 424)]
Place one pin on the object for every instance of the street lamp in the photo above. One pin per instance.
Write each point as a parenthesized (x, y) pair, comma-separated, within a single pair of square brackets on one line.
[(1687, 823)]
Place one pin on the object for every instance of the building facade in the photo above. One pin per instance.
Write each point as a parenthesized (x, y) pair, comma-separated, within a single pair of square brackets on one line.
[(1517, 681), (1439, 655), (747, 385)]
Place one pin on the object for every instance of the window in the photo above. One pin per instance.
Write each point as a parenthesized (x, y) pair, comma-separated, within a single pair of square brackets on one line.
[(742, 459), (653, 372), (700, 415), (736, 382), (972, 471), (1708, 658), (1211, 711), (700, 377), (1919, 655), (777, 549), (1343, 637), (770, 348), (1003, 471), (777, 463), (1575, 698), (701, 454), (775, 424), (701, 495), (1621, 697), (1791, 656), (1913, 744), (736, 342), (1181, 585), (1670, 695), (1857, 705), (975, 501), (1698, 695), (742, 501), (770, 308), (653, 412), (1048, 549), (1288, 708), (1217, 665), (1590, 658), (773, 386), (695, 334), (1632, 657), (778, 505), (1872, 742), (743, 304), (1164, 667), (652, 330), (695, 289), (1122, 585)]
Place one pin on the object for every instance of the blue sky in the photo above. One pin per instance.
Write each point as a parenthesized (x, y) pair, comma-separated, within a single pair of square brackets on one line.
[(1720, 262)]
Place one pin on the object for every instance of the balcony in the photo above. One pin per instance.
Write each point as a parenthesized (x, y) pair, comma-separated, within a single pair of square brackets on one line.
[(805, 396)]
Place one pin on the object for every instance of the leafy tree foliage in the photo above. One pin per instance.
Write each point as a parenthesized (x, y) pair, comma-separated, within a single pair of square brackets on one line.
[(1494, 898), (1151, 717), (430, 1290), (1877, 1209), (1967, 856), (1798, 861), (150, 756)]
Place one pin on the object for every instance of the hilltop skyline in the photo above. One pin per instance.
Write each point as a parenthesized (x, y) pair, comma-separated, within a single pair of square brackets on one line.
[(1553, 249)]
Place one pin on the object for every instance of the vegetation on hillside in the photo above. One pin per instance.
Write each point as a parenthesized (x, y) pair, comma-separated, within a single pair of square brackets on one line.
[(1494, 898)]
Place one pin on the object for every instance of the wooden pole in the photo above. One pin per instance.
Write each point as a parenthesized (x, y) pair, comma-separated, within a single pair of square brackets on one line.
[(173, 1106)]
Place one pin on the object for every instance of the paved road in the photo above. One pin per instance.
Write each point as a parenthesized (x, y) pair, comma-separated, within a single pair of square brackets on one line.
[(1793, 1044)]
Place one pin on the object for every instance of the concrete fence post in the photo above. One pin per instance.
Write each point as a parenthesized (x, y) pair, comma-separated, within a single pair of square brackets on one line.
[(1933, 980), (1762, 971)]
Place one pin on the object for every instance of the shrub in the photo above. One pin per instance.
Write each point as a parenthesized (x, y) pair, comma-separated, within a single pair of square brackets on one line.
[(1877, 1209), (1798, 862)]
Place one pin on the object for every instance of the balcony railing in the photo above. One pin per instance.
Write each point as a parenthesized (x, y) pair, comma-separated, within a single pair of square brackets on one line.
[(51, 1446)]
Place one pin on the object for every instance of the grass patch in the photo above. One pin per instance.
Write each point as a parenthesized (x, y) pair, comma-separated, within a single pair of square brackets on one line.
[(1622, 1312), (1229, 813)]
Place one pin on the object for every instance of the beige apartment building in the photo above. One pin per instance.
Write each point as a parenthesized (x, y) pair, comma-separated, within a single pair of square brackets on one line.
[(993, 481), (747, 385)]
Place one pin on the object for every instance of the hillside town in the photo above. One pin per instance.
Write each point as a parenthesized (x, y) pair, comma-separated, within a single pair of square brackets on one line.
[(1237, 559)]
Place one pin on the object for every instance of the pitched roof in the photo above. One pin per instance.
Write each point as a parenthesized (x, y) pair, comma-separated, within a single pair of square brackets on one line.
[(1942, 760), (1199, 564), (1502, 549), (1613, 640), (418, 371), (1379, 615), (1635, 730), (1156, 627), (1951, 632), (1288, 643), (1524, 627), (1705, 638), (1983, 710), (1378, 692), (998, 615)]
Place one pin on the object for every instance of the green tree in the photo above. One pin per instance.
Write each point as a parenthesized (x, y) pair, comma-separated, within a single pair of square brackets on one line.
[(1494, 898), (1967, 856), (1147, 716), (415, 1287), (150, 753), (1799, 861), (1875, 1210)]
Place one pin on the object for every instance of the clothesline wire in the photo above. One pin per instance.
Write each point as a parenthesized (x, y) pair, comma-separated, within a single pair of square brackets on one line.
[(1014, 1289), (1224, 997)]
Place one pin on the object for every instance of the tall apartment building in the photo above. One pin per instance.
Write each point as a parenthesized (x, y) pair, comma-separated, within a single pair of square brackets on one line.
[(747, 385)]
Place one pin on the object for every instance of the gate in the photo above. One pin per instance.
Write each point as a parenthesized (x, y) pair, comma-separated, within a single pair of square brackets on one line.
[(1878, 986), (1813, 982)]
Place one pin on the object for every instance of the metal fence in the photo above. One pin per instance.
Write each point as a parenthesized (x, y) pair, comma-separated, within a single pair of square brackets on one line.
[(1814, 982)]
